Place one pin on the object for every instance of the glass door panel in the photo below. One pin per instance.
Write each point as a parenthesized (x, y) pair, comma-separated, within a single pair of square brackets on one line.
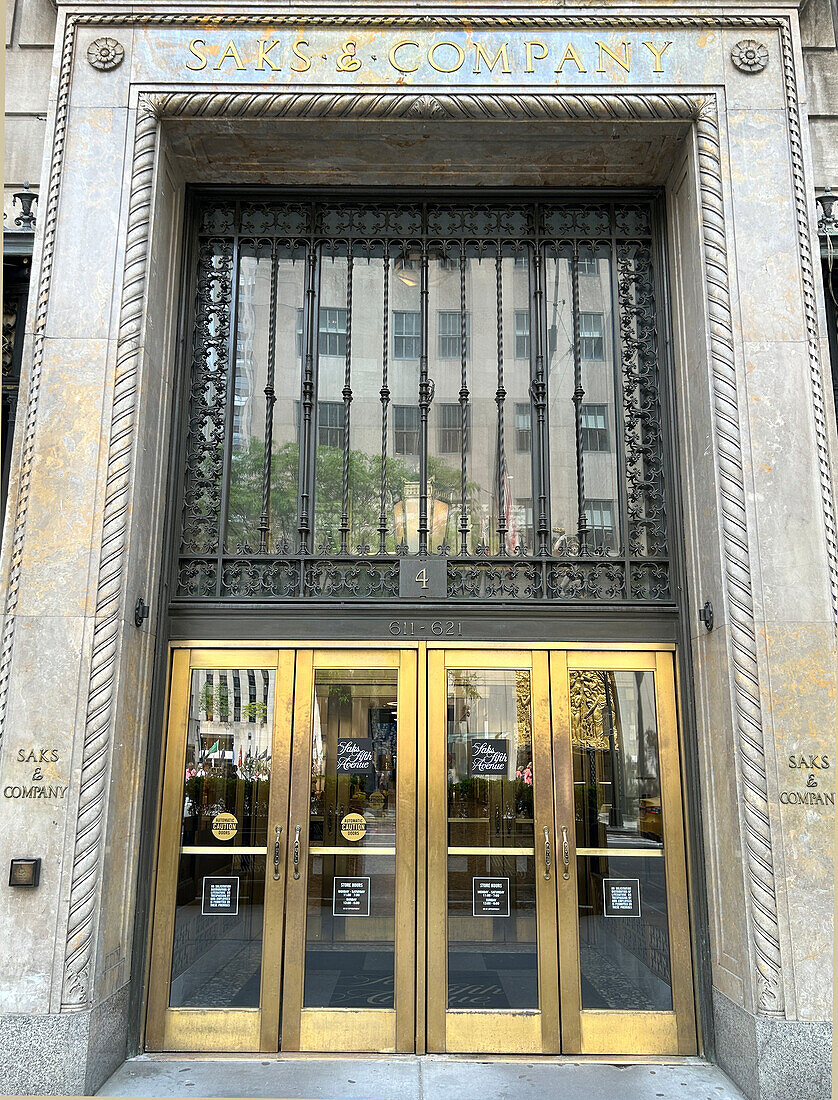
[(218, 917), (492, 962), (351, 889), (623, 912)]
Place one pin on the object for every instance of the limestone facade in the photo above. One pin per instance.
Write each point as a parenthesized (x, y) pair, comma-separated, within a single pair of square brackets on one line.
[(140, 103)]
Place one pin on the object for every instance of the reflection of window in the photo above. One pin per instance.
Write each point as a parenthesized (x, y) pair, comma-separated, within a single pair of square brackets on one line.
[(299, 334), (523, 521), (592, 330), (450, 333), (522, 334), (450, 429), (594, 428), (522, 259), (599, 521), (332, 336), (330, 423), (588, 265), (407, 334), (406, 429), (523, 427), (241, 401)]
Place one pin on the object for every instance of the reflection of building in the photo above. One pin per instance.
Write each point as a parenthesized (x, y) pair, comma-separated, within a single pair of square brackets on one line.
[(597, 374)]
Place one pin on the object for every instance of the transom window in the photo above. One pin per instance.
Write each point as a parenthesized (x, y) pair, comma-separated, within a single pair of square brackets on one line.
[(372, 380)]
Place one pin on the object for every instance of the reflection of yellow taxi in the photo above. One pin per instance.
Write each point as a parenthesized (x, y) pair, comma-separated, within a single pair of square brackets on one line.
[(650, 821)]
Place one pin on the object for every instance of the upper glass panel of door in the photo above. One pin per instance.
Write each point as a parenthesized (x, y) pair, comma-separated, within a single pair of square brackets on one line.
[(375, 380)]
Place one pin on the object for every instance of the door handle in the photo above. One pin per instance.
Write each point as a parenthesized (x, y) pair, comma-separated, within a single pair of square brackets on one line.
[(548, 854), (497, 820), (276, 851), (297, 831), (565, 853)]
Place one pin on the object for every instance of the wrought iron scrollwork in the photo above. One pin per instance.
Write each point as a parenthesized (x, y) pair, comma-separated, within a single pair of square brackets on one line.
[(392, 495)]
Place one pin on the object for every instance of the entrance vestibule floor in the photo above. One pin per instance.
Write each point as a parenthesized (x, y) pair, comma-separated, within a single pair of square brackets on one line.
[(407, 1077)]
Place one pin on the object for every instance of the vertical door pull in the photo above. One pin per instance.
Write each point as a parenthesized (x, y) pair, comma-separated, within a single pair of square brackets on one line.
[(297, 831), (565, 853), (276, 851), (548, 854), (497, 820)]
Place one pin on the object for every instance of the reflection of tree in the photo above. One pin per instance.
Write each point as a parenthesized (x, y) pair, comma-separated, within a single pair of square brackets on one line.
[(245, 505)]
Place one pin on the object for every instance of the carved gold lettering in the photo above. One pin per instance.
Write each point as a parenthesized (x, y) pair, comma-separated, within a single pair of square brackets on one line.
[(657, 54), (624, 62), (480, 52), (265, 47), (452, 45), (306, 60), (530, 46), (193, 48), (230, 54), (393, 60), (570, 54), (348, 62)]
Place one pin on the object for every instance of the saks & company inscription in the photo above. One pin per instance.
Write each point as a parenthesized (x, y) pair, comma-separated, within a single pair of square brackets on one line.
[(44, 782), (407, 56)]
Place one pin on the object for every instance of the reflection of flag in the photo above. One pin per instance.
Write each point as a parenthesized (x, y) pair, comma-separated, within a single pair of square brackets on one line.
[(263, 755), (240, 758), (213, 748)]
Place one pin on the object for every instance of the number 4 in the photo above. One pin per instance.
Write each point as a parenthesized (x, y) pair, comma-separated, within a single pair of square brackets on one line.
[(423, 577)]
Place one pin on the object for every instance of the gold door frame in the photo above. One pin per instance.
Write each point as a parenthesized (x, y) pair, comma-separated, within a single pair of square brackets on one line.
[(211, 1029), (369, 1029), (533, 1031), (597, 1031)]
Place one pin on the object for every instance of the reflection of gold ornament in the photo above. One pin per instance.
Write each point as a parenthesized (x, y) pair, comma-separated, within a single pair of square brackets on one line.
[(588, 704), (224, 826), (353, 827), (376, 802), (522, 706)]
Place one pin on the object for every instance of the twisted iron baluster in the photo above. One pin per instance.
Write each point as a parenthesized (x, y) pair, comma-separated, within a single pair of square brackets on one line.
[(538, 396), (347, 403), (500, 397), (385, 403), (308, 404), (578, 395), (270, 401), (464, 395), (425, 393)]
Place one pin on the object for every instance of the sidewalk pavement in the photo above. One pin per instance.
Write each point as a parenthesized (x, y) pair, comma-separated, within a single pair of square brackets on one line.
[(407, 1077)]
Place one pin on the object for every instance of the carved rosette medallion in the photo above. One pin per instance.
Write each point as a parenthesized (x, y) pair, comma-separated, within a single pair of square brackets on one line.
[(749, 56), (105, 54)]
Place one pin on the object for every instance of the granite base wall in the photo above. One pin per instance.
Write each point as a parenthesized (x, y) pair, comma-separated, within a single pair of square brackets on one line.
[(773, 1059), (65, 1053)]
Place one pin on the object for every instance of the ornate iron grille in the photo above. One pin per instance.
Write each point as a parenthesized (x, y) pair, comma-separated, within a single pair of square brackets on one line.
[(437, 379)]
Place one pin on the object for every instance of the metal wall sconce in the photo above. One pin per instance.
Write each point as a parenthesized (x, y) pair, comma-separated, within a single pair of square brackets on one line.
[(141, 610), (705, 615)]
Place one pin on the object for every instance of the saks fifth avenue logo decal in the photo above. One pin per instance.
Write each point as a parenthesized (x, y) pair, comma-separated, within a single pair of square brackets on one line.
[(379, 55), (488, 759), (354, 756)]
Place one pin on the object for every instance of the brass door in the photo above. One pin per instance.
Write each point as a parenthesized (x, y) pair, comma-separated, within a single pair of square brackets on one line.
[(435, 848), (624, 942), (492, 975), (215, 958), (351, 931)]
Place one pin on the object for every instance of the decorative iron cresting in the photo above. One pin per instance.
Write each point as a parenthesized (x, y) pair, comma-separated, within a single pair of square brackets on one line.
[(315, 505)]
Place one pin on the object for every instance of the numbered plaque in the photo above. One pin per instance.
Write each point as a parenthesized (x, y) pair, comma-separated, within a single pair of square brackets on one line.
[(423, 578)]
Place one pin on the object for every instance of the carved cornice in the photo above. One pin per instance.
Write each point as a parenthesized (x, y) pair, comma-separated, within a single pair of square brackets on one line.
[(489, 106)]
